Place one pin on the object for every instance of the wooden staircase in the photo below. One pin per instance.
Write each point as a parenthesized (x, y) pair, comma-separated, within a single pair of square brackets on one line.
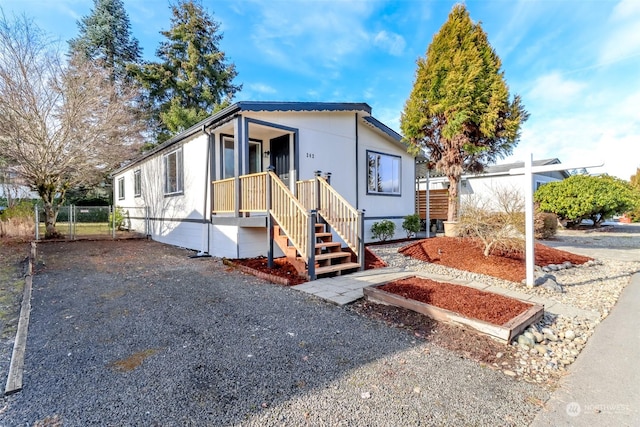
[(330, 258)]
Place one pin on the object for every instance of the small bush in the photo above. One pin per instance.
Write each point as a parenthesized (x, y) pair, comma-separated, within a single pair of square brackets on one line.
[(18, 220), (545, 225), (411, 224), (383, 230), (119, 219)]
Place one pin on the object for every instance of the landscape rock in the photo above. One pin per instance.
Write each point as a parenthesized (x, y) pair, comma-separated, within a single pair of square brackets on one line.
[(569, 335), (525, 341), (541, 349)]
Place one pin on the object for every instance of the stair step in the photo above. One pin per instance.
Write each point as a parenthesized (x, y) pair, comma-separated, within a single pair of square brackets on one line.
[(332, 255), (337, 267), (328, 245), (320, 235)]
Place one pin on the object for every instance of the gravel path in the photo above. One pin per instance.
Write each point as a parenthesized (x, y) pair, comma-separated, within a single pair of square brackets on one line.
[(136, 333)]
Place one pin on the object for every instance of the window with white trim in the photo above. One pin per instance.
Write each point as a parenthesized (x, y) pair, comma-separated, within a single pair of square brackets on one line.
[(383, 173), (121, 188), (137, 183), (173, 175)]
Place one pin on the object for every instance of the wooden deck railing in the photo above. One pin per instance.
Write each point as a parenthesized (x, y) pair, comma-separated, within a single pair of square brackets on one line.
[(290, 215), (305, 191), (223, 195), (343, 218), (253, 192)]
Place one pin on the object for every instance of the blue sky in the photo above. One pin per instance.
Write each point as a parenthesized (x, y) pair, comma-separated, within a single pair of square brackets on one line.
[(575, 63)]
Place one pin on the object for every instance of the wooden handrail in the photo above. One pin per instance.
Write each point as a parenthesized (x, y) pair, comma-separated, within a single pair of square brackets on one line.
[(223, 196), (253, 192), (340, 215), (291, 216)]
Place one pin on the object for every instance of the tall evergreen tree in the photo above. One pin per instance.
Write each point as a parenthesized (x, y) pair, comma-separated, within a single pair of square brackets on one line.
[(192, 79), (105, 37), (459, 110)]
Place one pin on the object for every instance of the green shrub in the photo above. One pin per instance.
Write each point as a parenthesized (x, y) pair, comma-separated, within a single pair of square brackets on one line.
[(584, 197), (411, 224), (119, 219), (383, 230)]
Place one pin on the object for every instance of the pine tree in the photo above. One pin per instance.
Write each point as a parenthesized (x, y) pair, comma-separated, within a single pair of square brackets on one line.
[(459, 110), (193, 79), (105, 37)]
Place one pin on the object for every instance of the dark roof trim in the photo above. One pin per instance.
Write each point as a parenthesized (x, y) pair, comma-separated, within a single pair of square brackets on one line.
[(303, 106), (383, 128), (226, 113)]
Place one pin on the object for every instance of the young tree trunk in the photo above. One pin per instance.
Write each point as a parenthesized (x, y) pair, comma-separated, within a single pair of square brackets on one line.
[(51, 209), (50, 216), (452, 213)]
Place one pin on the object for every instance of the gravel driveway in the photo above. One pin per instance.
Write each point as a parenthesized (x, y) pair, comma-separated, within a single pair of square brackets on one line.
[(136, 333)]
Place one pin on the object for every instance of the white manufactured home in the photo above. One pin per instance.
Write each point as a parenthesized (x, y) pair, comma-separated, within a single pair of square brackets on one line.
[(311, 177)]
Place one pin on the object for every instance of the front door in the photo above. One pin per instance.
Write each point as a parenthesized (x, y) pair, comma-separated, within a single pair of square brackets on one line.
[(280, 157)]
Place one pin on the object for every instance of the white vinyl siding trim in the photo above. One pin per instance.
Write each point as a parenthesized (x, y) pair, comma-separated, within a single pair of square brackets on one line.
[(173, 173)]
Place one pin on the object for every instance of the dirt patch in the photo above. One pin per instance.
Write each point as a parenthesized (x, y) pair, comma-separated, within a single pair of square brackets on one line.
[(132, 362), (466, 254), (469, 302)]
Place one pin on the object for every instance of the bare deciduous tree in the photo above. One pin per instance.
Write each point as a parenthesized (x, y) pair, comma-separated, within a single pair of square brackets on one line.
[(64, 123)]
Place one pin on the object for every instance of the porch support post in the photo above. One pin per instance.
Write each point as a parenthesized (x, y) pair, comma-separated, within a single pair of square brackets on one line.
[(361, 239), (311, 262), (237, 161), (269, 219)]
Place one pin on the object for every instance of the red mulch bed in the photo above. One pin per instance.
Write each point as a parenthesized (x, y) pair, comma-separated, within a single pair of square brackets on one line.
[(282, 268), (466, 254), (469, 302)]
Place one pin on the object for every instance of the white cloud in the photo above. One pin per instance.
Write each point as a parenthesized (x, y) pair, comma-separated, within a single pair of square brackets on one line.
[(553, 89), (623, 39), (392, 43), (262, 88)]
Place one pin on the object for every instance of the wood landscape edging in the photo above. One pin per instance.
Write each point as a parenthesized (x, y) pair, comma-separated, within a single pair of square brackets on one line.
[(505, 332), (16, 367)]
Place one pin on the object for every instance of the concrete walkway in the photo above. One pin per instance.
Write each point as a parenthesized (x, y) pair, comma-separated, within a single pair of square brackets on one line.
[(343, 290), (603, 385)]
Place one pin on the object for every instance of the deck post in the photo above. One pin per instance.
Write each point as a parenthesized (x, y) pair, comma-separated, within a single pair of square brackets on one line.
[(361, 257), (316, 189), (311, 262), (327, 176), (269, 219)]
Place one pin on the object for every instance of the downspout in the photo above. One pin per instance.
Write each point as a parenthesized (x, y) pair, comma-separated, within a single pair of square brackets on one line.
[(205, 253)]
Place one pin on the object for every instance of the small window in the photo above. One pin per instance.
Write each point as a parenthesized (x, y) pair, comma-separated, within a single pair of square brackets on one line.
[(137, 183), (383, 174), (173, 173), (121, 188)]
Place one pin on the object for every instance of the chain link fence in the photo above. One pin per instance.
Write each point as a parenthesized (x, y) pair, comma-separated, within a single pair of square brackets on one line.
[(86, 222)]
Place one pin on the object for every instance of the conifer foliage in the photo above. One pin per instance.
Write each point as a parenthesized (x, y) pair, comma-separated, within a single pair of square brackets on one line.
[(105, 37), (192, 80), (459, 111)]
